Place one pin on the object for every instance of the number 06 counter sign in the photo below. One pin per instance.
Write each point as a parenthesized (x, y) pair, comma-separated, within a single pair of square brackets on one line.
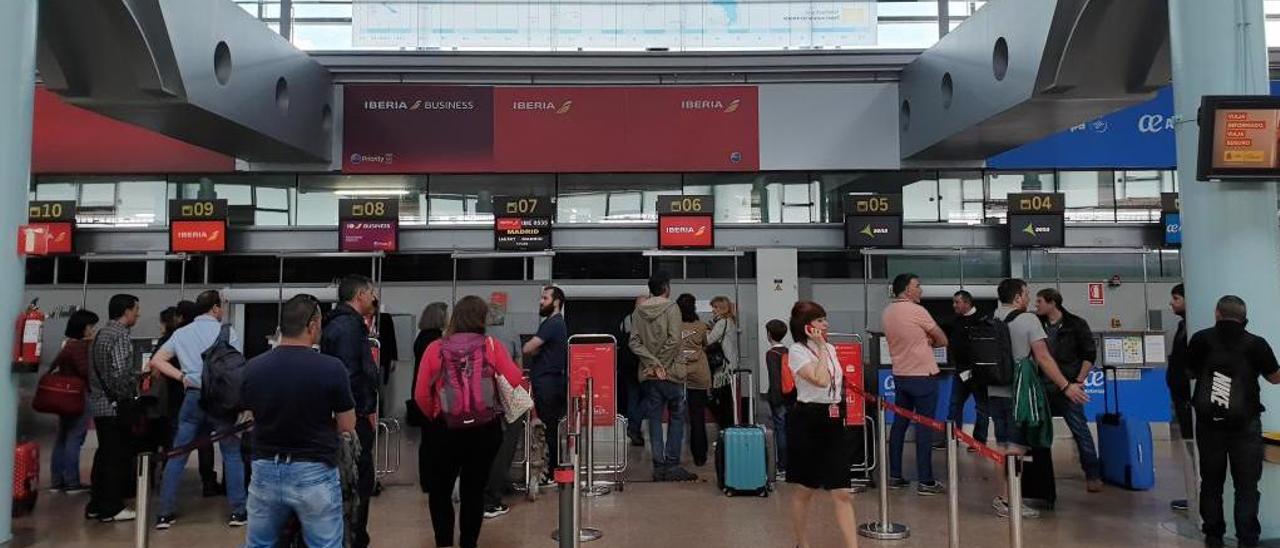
[(197, 226)]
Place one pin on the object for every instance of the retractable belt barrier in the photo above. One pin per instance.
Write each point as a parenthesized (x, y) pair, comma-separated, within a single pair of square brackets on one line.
[(236, 430), (884, 529)]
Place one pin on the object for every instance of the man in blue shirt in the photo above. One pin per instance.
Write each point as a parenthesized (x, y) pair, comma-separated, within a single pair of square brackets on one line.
[(188, 345), (301, 400), (549, 371)]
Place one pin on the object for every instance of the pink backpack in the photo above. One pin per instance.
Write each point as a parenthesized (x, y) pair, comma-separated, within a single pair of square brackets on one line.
[(466, 385)]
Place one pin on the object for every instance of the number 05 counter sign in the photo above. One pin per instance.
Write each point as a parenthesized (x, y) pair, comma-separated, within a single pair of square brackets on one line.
[(873, 220), (369, 225), (197, 226)]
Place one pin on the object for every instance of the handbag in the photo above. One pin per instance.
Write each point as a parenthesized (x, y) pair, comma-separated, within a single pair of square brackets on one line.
[(516, 400), (59, 394)]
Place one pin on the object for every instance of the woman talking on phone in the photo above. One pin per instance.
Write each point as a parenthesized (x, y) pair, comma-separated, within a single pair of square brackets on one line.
[(817, 456)]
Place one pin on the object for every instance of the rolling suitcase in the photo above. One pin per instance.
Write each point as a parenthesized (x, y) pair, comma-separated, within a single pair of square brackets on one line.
[(26, 477), (1037, 476), (742, 452), (1124, 446)]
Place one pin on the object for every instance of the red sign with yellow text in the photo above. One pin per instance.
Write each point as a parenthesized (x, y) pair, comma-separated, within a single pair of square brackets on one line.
[(198, 236), (686, 232), (479, 129), (849, 355)]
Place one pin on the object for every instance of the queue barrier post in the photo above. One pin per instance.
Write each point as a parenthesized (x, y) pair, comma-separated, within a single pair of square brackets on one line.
[(573, 482), (1012, 464), (142, 524), (953, 487), (883, 529), (589, 442)]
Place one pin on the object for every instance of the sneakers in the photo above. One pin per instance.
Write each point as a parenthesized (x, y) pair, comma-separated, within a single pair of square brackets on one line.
[(166, 521), (781, 476), (491, 512), (238, 519), (674, 474), (123, 515), (898, 483), (547, 482), (1093, 486), (1002, 509), (930, 489)]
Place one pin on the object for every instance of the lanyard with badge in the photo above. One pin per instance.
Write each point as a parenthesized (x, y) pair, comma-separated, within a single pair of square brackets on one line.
[(833, 410)]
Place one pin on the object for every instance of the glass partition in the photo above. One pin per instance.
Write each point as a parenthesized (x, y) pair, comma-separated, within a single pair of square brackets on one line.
[(318, 196), (613, 198), (468, 199)]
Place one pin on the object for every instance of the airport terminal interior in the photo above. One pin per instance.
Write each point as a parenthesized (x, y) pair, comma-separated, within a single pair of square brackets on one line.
[(1117, 156)]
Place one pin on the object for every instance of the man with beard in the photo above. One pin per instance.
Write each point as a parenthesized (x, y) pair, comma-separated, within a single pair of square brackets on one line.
[(549, 370)]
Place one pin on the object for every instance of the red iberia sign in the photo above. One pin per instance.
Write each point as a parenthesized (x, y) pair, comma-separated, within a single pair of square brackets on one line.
[(686, 232), (597, 360), (849, 355), (198, 236), (37, 239)]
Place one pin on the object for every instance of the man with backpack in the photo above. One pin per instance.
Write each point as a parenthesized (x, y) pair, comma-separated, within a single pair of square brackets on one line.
[(346, 337), (1226, 361), (782, 390), (655, 339), (1017, 337), (196, 346)]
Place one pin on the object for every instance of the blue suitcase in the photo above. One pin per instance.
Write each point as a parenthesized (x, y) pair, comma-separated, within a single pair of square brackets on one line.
[(1124, 446), (742, 452)]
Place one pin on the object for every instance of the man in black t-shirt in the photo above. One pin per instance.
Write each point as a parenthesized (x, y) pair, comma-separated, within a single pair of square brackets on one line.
[(1226, 361), (301, 400), (549, 372)]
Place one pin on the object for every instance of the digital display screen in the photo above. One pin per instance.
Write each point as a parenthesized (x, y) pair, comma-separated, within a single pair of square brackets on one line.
[(198, 236), (1036, 231), (686, 232), (1239, 138), (872, 231)]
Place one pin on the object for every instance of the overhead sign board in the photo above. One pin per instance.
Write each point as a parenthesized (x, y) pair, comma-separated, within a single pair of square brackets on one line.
[(1239, 138), (198, 226), (686, 222), (522, 223), (873, 220), (55, 221), (1171, 218), (1036, 231), (369, 224)]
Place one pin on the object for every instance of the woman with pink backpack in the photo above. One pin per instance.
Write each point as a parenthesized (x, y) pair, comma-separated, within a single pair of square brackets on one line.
[(460, 389)]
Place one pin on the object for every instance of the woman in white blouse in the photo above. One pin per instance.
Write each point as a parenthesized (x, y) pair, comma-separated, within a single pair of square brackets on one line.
[(817, 456)]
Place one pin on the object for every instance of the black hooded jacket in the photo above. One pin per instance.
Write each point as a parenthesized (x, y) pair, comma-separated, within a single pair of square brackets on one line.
[(346, 337)]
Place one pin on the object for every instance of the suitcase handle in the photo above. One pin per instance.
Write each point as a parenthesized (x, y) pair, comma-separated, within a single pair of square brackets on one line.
[(1112, 390), (734, 394)]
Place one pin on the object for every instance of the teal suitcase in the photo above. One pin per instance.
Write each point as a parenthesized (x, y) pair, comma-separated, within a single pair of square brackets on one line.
[(742, 452)]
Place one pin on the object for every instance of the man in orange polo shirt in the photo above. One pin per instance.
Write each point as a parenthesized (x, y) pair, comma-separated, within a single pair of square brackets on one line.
[(912, 335)]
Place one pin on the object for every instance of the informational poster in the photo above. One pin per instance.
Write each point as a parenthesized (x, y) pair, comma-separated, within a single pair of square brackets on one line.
[(1112, 351), (849, 355), (498, 307), (1132, 347), (595, 357), (1154, 348), (1097, 294)]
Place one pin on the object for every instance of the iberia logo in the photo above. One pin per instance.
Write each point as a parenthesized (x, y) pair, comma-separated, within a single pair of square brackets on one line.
[(711, 104), (543, 106), (687, 230), (733, 105)]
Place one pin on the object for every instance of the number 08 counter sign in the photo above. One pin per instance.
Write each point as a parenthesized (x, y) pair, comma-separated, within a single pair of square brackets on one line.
[(686, 222), (197, 226), (369, 225)]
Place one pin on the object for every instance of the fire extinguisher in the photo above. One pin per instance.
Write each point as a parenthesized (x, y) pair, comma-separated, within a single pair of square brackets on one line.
[(26, 354)]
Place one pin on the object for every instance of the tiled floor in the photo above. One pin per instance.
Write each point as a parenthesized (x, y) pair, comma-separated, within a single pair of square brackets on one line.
[(669, 515)]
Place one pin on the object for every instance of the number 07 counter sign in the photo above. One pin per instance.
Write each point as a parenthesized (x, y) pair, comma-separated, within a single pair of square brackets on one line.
[(197, 226)]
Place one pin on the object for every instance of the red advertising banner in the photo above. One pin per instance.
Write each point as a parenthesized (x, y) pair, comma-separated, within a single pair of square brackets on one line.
[(197, 236), (849, 355), (369, 236), (686, 232), (595, 357), (474, 129), (38, 239)]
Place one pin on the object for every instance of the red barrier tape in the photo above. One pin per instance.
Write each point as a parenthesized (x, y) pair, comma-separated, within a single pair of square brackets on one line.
[(931, 423)]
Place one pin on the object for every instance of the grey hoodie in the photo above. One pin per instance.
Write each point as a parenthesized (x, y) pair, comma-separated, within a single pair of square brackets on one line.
[(655, 338)]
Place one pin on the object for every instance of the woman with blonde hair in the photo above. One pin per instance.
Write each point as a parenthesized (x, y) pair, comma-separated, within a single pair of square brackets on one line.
[(722, 354), (431, 326)]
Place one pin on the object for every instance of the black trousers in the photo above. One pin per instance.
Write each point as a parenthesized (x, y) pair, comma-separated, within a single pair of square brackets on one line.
[(466, 454), (698, 400), (550, 400), (112, 474), (364, 481), (500, 472), (1238, 446)]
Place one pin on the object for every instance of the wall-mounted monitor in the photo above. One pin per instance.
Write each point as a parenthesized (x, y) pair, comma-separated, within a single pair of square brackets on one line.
[(1239, 138)]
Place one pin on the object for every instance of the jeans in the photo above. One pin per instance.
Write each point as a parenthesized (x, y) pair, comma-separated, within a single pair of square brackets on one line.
[(550, 401), (112, 476), (1239, 446), (779, 413), (659, 395), (918, 394), (1073, 413), (65, 460), (500, 472), (1007, 433), (464, 455), (634, 408), (960, 392), (365, 481), (309, 490), (193, 424), (698, 400)]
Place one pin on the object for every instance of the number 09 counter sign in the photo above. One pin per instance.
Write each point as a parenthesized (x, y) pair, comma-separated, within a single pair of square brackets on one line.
[(369, 225), (197, 226), (686, 222)]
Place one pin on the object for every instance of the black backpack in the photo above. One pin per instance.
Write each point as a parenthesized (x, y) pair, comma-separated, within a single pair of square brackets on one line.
[(991, 351), (222, 377), (1223, 386)]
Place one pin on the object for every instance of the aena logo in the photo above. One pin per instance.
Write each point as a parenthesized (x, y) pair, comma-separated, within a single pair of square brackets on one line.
[(1033, 230), (1154, 123), (872, 232)]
